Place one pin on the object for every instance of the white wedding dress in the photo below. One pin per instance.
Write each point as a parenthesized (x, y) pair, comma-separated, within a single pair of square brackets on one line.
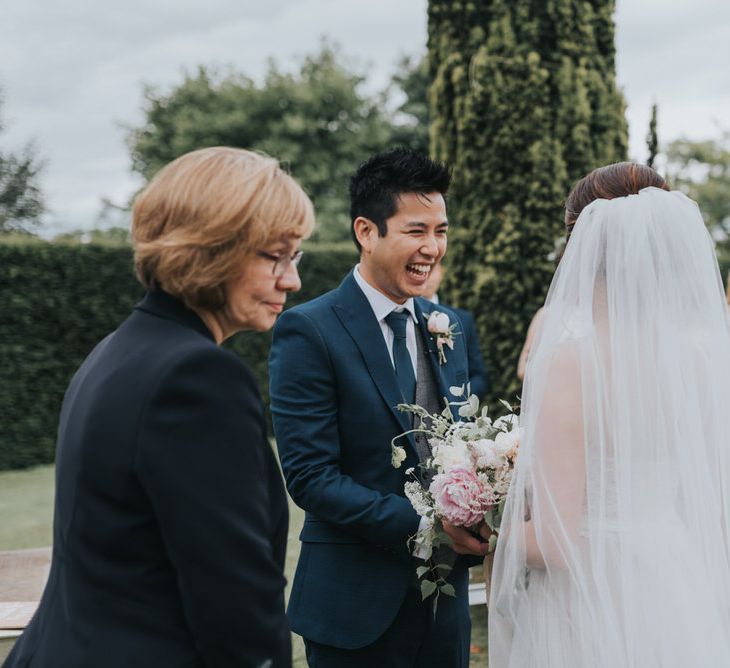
[(614, 549)]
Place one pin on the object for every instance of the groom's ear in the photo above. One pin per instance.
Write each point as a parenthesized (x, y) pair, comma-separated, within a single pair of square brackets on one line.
[(365, 232)]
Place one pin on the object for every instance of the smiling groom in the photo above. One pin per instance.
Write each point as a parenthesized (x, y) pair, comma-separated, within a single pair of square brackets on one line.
[(339, 366)]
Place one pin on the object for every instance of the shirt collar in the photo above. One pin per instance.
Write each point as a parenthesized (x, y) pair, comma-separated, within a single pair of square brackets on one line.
[(381, 304)]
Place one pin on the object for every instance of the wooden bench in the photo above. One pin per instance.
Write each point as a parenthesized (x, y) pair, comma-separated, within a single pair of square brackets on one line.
[(23, 574)]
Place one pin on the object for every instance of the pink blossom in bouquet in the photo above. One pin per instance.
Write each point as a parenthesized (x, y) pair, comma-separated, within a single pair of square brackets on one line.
[(460, 497)]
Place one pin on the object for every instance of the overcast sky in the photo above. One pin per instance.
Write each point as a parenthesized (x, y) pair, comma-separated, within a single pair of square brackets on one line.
[(71, 72)]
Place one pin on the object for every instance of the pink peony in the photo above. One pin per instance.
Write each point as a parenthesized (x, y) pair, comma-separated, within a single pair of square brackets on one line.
[(459, 497)]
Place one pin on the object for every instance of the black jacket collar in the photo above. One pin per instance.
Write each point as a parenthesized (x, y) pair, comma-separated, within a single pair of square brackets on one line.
[(164, 305)]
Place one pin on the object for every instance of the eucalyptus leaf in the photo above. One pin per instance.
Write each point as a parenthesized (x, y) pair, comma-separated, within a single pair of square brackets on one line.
[(427, 589), (506, 404), (441, 538), (471, 407), (447, 589), (489, 520)]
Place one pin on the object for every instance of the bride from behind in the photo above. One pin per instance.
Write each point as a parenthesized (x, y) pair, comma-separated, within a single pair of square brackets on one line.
[(614, 549)]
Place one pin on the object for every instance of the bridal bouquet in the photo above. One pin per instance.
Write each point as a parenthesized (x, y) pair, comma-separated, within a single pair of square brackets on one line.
[(465, 481)]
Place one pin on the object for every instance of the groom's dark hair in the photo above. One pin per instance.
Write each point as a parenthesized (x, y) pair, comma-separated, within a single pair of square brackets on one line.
[(377, 183)]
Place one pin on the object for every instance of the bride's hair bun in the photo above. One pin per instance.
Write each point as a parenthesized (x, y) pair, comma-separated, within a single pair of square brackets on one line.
[(617, 180)]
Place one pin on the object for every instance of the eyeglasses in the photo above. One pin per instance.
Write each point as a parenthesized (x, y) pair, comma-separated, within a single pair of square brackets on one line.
[(281, 262)]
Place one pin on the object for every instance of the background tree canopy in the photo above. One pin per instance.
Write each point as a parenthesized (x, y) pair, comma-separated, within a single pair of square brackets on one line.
[(21, 201), (701, 169), (318, 121), (524, 102)]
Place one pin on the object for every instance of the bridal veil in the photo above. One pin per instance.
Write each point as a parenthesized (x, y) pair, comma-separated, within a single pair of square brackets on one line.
[(615, 545)]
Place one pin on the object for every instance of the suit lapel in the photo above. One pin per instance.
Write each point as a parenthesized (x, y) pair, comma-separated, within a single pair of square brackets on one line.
[(354, 312)]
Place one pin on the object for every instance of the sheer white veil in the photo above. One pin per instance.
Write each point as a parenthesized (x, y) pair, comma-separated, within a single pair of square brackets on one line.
[(614, 548)]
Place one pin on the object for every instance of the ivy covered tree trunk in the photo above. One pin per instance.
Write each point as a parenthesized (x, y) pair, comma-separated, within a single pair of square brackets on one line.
[(523, 102)]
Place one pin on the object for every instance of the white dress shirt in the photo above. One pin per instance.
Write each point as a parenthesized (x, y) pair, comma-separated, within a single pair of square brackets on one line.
[(382, 306)]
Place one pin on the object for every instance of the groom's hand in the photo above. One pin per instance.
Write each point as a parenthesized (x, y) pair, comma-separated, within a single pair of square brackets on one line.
[(464, 542)]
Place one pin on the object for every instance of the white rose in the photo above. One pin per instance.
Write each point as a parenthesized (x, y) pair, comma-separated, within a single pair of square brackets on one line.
[(438, 323), (488, 457), (506, 443), (484, 447), (451, 456)]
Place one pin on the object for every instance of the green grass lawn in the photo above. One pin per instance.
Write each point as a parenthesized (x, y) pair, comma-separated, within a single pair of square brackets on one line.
[(26, 506)]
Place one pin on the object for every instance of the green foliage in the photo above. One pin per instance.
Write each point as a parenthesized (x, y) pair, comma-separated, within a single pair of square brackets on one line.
[(523, 103), (701, 169), (26, 498), (317, 121), (21, 200), (412, 81), (20, 238), (652, 140), (59, 300), (110, 236)]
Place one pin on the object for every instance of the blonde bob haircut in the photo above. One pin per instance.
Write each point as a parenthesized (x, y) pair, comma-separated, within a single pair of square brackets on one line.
[(205, 214)]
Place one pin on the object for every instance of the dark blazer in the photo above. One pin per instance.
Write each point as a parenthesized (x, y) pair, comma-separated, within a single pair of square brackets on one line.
[(333, 399), (478, 378), (170, 519)]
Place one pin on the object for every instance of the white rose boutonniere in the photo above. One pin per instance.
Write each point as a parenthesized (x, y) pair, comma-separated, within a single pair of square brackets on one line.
[(442, 331)]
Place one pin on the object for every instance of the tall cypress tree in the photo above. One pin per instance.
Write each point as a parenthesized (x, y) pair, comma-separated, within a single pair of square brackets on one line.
[(523, 102), (652, 139)]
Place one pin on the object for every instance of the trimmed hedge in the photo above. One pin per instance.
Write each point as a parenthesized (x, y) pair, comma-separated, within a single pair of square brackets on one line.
[(57, 301)]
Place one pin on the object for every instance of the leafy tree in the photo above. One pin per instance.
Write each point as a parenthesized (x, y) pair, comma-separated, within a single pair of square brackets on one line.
[(21, 201), (652, 140), (523, 102), (701, 169), (412, 117), (317, 121), (111, 236)]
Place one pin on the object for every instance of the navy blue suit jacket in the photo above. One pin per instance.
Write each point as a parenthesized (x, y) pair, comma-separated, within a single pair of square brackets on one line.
[(333, 398), (478, 378), (171, 519)]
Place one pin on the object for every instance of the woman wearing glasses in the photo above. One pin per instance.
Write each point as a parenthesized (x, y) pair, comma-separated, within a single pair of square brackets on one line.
[(171, 519)]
